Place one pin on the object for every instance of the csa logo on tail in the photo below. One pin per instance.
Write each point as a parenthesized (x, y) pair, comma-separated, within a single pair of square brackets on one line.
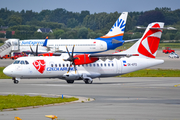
[(40, 65), (149, 44)]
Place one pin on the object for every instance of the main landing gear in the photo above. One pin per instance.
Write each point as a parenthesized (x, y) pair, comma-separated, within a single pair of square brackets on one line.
[(70, 81), (88, 81)]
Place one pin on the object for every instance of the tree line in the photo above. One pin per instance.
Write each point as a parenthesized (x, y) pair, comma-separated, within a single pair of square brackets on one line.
[(73, 25)]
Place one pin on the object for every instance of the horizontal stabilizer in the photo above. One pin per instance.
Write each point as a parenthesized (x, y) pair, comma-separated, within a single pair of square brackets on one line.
[(165, 28), (114, 41)]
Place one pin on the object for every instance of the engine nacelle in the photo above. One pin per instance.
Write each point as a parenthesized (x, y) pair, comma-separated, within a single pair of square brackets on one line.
[(84, 59), (70, 76)]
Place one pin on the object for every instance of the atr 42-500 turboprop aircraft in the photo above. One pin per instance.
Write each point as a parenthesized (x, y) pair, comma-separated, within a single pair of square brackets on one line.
[(111, 40), (88, 66)]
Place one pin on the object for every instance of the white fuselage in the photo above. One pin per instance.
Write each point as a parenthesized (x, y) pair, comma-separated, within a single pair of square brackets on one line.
[(55, 45), (55, 67)]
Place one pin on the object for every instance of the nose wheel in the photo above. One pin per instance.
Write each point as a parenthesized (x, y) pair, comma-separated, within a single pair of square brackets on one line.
[(16, 80)]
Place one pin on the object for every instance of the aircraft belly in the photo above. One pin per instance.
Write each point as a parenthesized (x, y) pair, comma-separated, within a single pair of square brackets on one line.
[(109, 75)]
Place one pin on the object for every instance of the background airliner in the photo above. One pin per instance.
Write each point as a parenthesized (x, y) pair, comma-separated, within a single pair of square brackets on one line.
[(111, 40), (88, 66)]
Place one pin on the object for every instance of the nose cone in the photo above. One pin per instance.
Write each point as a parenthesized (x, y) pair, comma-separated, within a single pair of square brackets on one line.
[(7, 71)]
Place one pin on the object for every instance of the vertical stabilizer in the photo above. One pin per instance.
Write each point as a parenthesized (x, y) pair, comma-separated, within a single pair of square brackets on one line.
[(147, 46), (45, 42), (117, 30)]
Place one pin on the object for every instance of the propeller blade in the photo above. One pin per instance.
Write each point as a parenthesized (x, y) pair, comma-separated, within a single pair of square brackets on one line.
[(68, 51), (31, 50), (73, 50), (75, 68), (71, 59), (36, 50), (69, 67)]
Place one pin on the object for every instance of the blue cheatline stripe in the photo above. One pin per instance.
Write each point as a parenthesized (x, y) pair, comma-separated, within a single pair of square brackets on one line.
[(117, 38)]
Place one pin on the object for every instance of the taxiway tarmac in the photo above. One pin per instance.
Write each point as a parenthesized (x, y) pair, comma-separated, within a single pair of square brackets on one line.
[(115, 98)]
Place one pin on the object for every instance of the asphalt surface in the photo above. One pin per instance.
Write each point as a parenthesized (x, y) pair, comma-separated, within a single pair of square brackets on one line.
[(115, 99), (143, 98)]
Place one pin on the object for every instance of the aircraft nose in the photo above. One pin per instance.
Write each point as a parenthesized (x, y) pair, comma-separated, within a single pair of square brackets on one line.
[(7, 71)]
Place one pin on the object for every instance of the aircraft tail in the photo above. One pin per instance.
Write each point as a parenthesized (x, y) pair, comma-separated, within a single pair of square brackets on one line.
[(147, 46), (45, 42), (117, 30)]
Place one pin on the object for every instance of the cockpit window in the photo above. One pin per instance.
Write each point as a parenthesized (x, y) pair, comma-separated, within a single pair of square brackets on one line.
[(16, 62), (26, 62), (22, 62)]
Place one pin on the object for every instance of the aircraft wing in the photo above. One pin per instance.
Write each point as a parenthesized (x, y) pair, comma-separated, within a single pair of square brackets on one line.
[(110, 56), (43, 53), (132, 40)]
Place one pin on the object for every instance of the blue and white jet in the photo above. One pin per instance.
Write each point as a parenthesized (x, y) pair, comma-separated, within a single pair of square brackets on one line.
[(110, 41)]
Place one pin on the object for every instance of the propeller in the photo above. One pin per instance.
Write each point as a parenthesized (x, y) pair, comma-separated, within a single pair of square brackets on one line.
[(36, 53), (71, 59)]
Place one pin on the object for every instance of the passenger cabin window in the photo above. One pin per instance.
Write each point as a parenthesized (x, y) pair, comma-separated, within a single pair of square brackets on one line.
[(108, 64), (51, 65), (112, 64), (97, 65), (101, 65), (94, 65), (104, 64), (55, 65), (86, 65), (59, 65)]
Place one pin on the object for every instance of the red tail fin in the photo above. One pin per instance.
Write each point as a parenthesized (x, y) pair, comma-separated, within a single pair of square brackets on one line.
[(147, 46)]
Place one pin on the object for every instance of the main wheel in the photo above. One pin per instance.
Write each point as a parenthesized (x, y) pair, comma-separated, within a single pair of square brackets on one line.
[(70, 81), (88, 81)]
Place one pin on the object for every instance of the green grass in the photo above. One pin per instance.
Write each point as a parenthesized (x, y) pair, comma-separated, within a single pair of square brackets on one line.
[(153, 73), (16, 101)]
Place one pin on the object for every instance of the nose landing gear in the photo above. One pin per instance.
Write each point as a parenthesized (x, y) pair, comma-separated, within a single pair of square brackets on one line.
[(16, 80)]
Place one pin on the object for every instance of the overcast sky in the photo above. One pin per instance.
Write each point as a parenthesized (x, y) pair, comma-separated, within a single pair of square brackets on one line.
[(90, 5)]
